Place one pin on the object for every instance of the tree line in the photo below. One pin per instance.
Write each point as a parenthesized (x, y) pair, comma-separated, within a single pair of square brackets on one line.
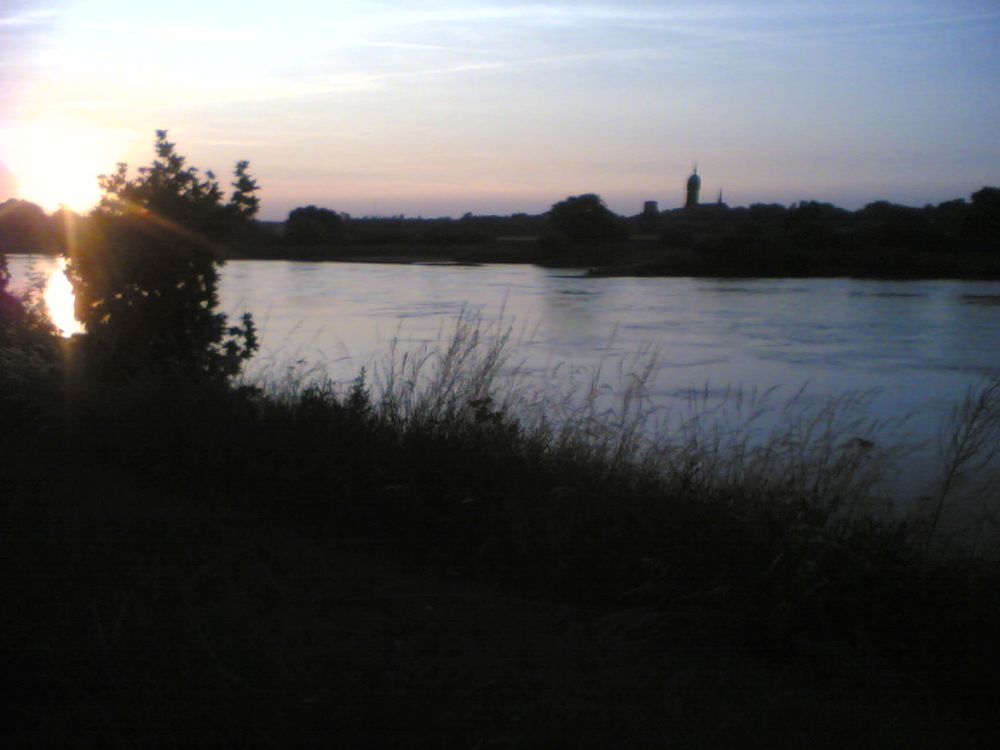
[(805, 237), (809, 225)]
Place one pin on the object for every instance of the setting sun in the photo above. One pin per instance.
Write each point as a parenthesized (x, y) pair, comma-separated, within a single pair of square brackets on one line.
[(57, 163)]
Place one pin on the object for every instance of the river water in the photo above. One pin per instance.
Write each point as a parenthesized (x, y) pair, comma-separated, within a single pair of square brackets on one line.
[(914, 343), (914, 347)]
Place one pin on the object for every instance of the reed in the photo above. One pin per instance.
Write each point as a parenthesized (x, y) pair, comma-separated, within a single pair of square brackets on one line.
[(750, 520)]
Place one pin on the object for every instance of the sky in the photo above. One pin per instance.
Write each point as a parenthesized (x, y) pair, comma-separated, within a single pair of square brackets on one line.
[(437, 108)]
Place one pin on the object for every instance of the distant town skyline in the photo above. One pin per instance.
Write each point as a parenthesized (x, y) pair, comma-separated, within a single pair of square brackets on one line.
[(442, 108)]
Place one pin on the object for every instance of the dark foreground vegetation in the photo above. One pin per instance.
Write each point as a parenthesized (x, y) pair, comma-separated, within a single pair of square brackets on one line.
[(426, 558)]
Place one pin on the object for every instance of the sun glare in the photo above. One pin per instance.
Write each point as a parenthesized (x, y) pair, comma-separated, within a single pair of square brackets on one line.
[(57, 163), (59, 301)]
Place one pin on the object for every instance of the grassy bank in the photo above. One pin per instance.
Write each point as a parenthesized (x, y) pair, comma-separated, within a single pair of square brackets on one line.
[(435, 556)]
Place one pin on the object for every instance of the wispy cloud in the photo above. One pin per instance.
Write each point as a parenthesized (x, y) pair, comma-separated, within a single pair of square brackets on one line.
[(578, 13), (345, 83), (903, 24), (409, 46), (176, 32), (27, 18), (23, 31)]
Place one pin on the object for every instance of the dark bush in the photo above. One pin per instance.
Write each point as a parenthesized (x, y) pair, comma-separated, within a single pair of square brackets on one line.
[(145, 272), (310, 225), (585, 218)]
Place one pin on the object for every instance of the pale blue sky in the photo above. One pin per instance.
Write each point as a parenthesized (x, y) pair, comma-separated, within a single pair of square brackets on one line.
[(437, 108)]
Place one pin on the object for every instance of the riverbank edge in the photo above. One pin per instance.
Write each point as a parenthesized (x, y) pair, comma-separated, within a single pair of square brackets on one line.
[(644, 258), (140, 515), (593, 262)]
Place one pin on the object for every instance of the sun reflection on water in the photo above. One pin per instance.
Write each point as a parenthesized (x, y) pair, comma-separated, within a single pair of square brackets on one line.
[(59, 300)]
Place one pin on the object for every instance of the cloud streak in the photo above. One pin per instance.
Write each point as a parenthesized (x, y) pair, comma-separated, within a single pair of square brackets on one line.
[(20, 19), (184, 33)]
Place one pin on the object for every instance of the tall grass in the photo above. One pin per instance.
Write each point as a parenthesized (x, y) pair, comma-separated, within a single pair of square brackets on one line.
[(826, 449), (584, 485), (753, 518), (964, 505), (763, 445), (781, 513)]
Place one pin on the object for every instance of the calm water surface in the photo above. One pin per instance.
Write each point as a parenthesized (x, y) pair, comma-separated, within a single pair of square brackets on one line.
[(918, 345), (915, 342)]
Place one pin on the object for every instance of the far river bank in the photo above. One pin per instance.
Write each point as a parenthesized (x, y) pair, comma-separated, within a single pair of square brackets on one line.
[(647, 256)]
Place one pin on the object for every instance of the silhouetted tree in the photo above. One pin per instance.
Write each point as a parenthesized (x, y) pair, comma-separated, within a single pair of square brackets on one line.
[(24, 227), (146, 272), (649, 219), (242, 207), (764, 215), (584, 218), (244, 202), (23, 322), (886, 225), (949, 216), (10, 306), (310, 225), (814, 226), (982, 223)]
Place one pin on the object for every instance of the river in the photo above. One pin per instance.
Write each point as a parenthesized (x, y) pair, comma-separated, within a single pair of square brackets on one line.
[(914, 347)]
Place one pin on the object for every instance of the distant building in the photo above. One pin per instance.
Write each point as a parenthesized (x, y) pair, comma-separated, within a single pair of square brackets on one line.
[(651, 212), (693, 188), (649, 219)]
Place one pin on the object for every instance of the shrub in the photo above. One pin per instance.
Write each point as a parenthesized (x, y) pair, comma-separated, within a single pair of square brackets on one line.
[(146, 271), (310, 225), (585, 218)]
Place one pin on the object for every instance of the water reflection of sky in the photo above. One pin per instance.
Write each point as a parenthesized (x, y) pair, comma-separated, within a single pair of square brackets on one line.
[(917, 345), (754, 332), (917, 340)]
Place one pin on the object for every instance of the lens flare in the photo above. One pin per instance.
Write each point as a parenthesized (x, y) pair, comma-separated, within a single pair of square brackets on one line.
[(59, 301), (55, 163)]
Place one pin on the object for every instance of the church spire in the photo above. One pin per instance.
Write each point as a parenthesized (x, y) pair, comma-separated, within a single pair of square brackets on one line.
[(693, 188)]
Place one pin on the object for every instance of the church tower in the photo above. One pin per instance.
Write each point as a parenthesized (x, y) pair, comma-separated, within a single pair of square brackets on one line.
[(693, 188)]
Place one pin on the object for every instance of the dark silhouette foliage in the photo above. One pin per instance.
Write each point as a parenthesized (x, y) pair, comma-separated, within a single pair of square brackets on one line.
[(310, 225), (585, 218), (29, 357), (24, 227), (815, 226), (955, 239), (244, 201), (11, 311), (7, 300), (649, 219), (146, 271), (23, 321), (982, 224), (886, 225)]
